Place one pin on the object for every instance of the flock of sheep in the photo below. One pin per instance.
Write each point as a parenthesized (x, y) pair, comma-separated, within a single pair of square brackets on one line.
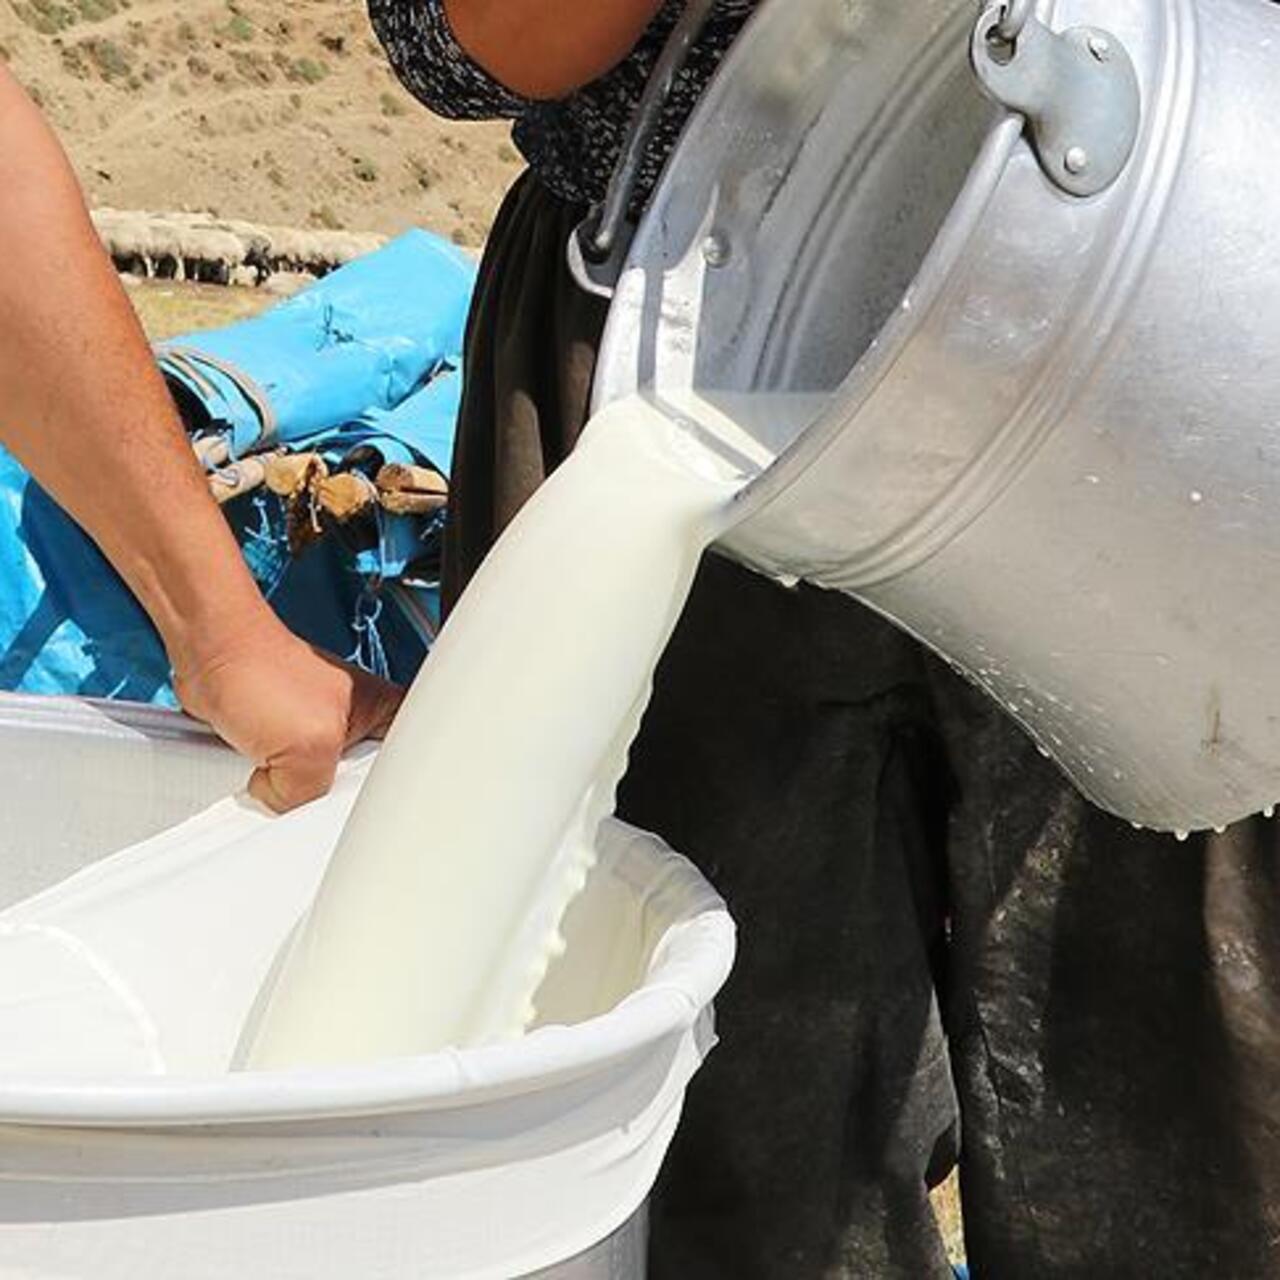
[(200, 247)]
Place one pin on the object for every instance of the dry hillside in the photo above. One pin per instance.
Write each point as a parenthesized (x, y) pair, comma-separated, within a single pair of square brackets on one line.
[(277, 111)]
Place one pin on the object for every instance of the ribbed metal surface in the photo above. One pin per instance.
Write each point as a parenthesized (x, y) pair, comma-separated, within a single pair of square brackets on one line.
[(1046, 442)]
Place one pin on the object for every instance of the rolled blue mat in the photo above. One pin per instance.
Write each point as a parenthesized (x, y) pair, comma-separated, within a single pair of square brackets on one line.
[(365, 337)]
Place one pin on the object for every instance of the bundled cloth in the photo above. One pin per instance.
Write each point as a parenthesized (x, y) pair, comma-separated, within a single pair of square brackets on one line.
[(326, 426)]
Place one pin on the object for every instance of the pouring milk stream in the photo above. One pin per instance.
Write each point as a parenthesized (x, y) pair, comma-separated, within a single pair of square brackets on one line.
[(440, 909)]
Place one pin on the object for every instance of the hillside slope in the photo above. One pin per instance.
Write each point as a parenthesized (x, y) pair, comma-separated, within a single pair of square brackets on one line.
[(277, 111)]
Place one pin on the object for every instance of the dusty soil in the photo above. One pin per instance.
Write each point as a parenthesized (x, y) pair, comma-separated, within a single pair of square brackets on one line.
[(946, 1206), (167, 308), (277, 111)]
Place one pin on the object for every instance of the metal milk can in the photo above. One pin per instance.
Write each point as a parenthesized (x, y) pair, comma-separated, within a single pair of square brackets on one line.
[(1020, 280)]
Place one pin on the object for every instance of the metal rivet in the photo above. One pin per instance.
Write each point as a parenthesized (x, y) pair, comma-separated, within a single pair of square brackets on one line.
[(1076, 160), (715, 250), (1100, 47)]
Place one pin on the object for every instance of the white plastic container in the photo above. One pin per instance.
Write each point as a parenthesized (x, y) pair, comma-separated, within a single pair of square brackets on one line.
[(534, 1157)]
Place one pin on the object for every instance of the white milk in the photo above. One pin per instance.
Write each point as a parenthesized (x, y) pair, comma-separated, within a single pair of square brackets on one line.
[(439, 912)]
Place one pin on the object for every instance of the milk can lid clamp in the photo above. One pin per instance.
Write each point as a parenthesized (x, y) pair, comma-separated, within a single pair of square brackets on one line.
[(1078, 90)]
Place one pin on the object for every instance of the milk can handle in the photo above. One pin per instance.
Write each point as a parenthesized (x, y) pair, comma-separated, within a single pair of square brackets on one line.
[(597, 245), (1013, 18)]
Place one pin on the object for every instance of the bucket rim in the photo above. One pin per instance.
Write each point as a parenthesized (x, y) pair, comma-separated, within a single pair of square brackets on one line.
[(691, 964), (630, 327), (451, 1079)]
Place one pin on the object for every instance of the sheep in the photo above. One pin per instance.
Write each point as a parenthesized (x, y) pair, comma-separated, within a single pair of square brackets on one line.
[(199, 246)]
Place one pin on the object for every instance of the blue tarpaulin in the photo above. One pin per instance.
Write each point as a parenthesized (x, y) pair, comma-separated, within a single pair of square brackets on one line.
[(361, 368), (67, 625), (363, 338)]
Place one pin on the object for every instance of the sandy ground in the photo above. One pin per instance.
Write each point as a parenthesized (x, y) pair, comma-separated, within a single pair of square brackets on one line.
[(946, 1205), (278, 111), (168, 309)]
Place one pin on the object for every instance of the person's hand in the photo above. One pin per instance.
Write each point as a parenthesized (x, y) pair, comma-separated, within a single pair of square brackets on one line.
[(287, 708)]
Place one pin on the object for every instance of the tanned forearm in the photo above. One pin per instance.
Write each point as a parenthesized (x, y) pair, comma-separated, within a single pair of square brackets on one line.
[(545, 49), (84, 408)]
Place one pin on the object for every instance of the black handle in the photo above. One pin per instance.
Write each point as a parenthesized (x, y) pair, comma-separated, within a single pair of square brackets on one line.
[(603, 228)]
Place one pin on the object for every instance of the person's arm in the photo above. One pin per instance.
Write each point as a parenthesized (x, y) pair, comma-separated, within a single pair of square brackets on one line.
[(83, 406), (545, 49)]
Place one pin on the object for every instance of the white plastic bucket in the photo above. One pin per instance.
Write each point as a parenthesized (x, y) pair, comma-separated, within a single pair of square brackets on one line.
[(530, 1157)]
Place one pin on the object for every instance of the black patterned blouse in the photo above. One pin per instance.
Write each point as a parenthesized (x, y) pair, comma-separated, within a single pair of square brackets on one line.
[(571, 144)]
